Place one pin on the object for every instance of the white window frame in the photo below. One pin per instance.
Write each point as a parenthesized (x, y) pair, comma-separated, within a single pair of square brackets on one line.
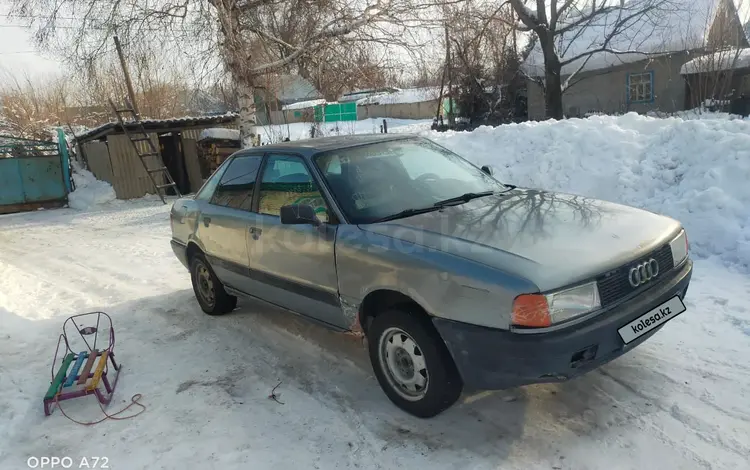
[(641, 87)]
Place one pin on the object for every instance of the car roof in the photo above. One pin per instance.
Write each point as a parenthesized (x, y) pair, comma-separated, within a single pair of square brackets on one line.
[(310, 147)]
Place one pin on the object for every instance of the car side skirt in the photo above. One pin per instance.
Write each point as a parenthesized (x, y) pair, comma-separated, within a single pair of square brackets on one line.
[(317, 295), (312, 293)]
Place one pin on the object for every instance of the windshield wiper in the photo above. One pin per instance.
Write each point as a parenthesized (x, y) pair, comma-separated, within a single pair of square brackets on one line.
[(437, 206), (407, 213), (463, 198)]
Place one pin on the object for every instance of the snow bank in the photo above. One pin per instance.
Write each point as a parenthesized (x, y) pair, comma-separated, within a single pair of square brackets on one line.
[(219, 133), (89, 191), (697, 170)]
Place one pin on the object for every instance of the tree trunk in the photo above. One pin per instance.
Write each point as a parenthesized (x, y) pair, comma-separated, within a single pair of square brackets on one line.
[(553, 97), (237, 60), (553, 82), (247, 118)]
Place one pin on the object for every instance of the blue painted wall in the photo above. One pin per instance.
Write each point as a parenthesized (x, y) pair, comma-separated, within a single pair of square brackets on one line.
[(11, 187), (28, 180), (42, 178)]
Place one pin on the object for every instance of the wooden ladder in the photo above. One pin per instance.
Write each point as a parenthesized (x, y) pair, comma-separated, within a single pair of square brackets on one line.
[(140, 135)]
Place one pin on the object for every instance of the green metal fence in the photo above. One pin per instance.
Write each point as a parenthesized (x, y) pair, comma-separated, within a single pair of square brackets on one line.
[(333, 112), (33, 174)]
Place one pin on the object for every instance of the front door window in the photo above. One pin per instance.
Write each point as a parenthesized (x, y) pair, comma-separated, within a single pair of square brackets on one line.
[(287, 180)]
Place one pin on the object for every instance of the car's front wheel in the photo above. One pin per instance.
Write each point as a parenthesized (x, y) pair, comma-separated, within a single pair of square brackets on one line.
[(209, 291), (412, 364)]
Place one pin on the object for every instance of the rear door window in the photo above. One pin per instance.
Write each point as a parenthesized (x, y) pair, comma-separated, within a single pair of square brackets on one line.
[(237, 184)]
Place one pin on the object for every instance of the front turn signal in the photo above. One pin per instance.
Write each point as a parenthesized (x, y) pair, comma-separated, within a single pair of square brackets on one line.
[(531, 310)]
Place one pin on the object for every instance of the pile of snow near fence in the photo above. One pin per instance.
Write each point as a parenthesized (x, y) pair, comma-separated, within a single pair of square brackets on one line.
[(695, 170), (89, 191)]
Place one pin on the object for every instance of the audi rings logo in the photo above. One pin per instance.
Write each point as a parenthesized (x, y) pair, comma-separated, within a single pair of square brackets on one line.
[(643, 273)]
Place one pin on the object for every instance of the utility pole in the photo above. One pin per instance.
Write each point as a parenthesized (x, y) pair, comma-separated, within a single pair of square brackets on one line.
[(128, 83)]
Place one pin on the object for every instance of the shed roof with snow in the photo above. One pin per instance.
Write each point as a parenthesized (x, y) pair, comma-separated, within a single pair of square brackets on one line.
[(670, 26), (156, 125)]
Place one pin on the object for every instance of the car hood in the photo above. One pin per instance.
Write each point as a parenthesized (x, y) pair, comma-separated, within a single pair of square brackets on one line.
[(551, 239)]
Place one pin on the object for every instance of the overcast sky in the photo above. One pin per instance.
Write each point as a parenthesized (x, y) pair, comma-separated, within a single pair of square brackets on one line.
[(18, 54)]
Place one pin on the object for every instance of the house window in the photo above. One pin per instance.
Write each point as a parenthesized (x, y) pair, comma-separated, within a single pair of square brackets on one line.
[(641, 87)]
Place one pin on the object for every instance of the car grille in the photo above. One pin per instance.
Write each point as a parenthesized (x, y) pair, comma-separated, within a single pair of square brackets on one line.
[(614, 285)]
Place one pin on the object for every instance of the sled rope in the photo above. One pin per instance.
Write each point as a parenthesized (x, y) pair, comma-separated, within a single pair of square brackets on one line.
[(134, 400)]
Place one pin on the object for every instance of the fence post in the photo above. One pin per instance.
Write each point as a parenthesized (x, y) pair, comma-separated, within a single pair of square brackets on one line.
[(62, 146)]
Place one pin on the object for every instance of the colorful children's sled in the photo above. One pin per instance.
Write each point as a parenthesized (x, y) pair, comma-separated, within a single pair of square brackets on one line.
[(80, 373)]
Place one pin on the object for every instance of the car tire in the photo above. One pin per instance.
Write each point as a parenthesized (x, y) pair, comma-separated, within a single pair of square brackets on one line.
[(209, 291), (406, 351)]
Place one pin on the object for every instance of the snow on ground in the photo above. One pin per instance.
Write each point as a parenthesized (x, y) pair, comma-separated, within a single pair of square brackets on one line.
[(694, 170), (679, 401)]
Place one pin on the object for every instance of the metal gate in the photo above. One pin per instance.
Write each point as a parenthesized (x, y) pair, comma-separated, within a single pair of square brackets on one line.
[(33, 174)]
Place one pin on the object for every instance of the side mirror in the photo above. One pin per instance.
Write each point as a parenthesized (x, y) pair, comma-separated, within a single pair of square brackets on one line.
[(298, 214), (488, 169)]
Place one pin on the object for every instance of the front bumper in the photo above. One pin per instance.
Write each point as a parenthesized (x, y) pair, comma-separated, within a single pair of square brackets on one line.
[(491, 359)]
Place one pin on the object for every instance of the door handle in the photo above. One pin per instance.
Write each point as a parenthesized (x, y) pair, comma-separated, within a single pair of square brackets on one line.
[(206, 221), (255, 232)]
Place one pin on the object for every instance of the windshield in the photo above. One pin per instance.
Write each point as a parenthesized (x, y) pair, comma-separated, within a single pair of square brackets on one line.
[(375, 181)]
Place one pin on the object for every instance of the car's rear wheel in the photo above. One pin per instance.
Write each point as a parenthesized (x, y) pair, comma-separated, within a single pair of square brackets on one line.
[(209, 291), (412, 364)]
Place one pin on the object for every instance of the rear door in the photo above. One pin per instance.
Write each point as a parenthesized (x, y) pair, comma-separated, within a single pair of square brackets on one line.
[(294, 263), (222, 226)]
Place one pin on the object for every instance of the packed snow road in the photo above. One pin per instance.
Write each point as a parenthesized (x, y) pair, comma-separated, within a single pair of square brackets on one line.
[(678, 401)]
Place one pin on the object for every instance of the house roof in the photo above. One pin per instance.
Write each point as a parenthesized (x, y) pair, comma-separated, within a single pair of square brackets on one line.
[(200, 102), (407, 95), (355, 95), (729, 59), (672, 26), (303, 104), (289, 88), (156, 125)]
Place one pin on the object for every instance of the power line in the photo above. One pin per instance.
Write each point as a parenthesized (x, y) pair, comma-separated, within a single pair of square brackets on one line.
[(104, 28), (49, 17)]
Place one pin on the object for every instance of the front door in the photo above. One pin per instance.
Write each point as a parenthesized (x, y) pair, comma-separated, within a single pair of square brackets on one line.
[(295, 263), (224, 221)]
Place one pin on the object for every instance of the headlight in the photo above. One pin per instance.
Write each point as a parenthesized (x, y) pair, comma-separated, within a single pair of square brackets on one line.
[(679, 248), (540, 310)]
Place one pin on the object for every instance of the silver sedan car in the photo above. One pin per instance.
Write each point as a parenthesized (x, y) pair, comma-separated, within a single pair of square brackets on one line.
[(458, 280)]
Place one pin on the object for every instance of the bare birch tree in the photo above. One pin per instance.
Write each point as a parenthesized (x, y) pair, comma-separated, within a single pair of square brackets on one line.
[(570, 33), (233, 31)]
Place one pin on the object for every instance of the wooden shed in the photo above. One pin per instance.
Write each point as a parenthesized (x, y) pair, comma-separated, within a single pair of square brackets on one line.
[(110, 156), (214, 146)]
